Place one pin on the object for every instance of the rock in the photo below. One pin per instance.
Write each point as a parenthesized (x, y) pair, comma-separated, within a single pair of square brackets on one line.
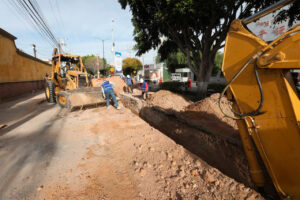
[(187, 162), (198, 163), (252, 197), (145, 164), (135, 163), (183, 190), (151, 149), (194, 172), (195, 185), (140, 147), (208, 177), (173, 163), (186, 186), (142, 172), (181, 167), (232, 187), (40, 188), (181, 173)]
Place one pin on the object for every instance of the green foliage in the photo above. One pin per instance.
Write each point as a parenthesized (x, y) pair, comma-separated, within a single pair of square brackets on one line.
[(130, 65), (174, 61), (166, 73), (196, 27), (172, 86), (93, 63), (291, 14), (218, 63)]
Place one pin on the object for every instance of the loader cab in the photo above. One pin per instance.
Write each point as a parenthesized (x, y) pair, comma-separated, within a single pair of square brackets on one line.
[(69, 72)]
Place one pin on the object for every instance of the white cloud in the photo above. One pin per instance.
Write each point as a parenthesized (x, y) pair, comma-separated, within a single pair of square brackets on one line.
[(81, 24)]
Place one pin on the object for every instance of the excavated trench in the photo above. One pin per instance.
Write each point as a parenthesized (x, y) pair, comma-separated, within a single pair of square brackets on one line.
[(219, 150), (200, 128)]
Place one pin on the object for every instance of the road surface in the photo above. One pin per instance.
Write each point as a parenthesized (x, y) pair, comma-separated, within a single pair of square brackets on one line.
[(49, 153)]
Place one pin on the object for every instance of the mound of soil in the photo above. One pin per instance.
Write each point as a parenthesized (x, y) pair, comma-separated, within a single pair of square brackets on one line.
[(208, 114), (168, 101), (117, 80)]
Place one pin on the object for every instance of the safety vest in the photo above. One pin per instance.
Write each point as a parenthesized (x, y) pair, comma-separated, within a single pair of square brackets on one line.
[(128, 81), (144, 86), (107, 86)]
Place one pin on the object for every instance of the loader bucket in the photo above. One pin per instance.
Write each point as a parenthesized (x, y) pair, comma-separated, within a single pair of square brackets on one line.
[(79, 98)]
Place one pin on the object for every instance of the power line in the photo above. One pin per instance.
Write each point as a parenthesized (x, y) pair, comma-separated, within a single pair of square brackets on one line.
[(31, 10), (28, 20)]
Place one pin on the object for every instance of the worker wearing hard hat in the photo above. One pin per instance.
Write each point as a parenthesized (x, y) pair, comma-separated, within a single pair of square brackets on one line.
[(108, 91), (144, 88), (129, 83)]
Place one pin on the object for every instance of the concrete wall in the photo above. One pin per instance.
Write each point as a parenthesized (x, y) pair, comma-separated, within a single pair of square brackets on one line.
[(19, 72)]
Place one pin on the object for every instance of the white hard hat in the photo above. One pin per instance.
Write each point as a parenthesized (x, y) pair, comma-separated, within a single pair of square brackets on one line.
[(141, 80), (128, 76)]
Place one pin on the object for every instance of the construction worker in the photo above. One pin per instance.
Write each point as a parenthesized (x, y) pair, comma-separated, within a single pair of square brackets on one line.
[(144, 88), (108, 91), (129, 83)]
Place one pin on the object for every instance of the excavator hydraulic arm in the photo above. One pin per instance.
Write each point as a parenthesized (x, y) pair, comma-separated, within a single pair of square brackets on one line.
[(266, 103)]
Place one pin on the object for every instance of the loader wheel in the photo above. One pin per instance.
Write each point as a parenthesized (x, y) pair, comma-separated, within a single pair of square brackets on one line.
[(62, 100), (50, 91)]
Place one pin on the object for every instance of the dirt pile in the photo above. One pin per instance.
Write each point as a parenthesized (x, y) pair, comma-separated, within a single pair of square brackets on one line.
[(117, 80), (168, 101), (208, 114)]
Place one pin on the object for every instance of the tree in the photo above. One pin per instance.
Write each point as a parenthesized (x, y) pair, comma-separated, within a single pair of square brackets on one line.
[(197, 27), (130, 65), (93, 63), (175, 60), (218, 63)]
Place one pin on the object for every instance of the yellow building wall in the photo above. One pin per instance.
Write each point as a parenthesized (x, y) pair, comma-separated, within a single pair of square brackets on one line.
[(18, 67)]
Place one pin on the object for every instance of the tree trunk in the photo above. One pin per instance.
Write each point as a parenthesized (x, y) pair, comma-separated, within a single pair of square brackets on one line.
[(204, 73)]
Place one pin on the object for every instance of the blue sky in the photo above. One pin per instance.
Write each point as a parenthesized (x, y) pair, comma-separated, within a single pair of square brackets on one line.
[(82, 25)]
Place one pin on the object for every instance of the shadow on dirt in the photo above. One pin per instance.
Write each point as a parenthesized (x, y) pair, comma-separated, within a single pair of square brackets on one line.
[(219, 151), (24, 156)]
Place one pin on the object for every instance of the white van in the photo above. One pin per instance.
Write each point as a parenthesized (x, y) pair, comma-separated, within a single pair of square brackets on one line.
[(182, 75)]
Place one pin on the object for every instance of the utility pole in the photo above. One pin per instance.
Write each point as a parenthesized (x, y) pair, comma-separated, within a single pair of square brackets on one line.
[(98, 66), (103, 54), (34, 50), (113, 42), (112, 36), (59, 46), (103, 48)]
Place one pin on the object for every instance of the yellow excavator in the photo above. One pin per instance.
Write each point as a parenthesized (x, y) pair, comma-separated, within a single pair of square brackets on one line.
[(265, 100), (69, 84)]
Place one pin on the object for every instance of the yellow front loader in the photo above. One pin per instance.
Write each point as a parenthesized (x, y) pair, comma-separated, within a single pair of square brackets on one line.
[(69, 84), (266, 102)]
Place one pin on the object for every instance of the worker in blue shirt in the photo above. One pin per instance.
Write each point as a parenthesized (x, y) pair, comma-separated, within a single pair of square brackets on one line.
[(144, 87), (108, 91), (129, 83)]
